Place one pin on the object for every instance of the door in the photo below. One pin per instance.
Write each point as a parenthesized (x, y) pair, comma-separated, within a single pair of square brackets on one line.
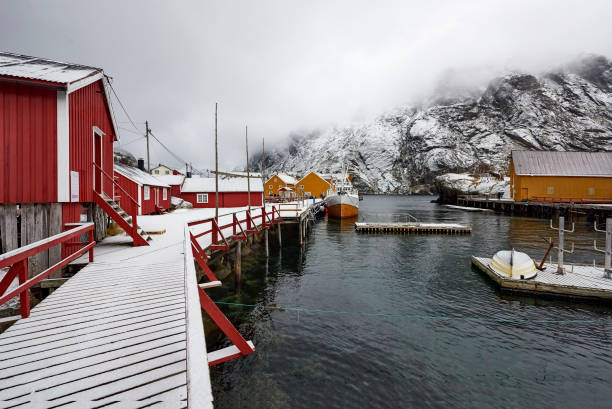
[(98, 180), (524, 193), (157, 197)]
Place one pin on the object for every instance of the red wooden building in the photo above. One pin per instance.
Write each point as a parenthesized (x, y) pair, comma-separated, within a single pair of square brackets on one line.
[(233, 192), (57, 131), (174, 181), (151, 193)]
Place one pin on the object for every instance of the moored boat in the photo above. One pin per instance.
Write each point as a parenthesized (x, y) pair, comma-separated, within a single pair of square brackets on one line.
[(513, 264), (343, 203)]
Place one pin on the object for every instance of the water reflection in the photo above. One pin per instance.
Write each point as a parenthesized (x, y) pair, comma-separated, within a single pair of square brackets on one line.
[(389, 321)]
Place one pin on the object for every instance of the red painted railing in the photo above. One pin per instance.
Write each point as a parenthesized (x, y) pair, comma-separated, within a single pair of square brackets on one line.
[(195, 252), (265, 218), (133, 215), (18, 261)]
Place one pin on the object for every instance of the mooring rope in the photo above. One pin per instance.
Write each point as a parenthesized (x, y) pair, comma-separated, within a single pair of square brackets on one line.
[(417, 316)]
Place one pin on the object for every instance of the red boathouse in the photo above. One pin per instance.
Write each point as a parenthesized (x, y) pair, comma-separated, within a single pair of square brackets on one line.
[(57, 130), (233, 192), (150, 192)]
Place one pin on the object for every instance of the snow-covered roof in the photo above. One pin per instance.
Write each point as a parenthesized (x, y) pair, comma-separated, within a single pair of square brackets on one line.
[(549, 163), (287, 179), (316, 173), (23, 66), (193, 185), (171, 180), (138, 176)]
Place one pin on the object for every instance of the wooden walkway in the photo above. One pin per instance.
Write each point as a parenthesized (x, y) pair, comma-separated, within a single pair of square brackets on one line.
[(413, 227), (116, 335), (582, 282)]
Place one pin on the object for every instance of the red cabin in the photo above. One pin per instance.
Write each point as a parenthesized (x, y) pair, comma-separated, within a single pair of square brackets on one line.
[(233, 192), (152, 194), (57, 131)]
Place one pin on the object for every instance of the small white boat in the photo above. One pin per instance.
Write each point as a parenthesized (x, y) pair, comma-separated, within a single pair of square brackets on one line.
[(513, 264)]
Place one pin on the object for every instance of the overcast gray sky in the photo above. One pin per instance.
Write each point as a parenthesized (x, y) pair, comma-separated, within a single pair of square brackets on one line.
[(281, 66)]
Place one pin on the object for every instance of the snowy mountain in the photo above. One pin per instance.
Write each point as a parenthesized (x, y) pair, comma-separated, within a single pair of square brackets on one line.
[(403, 151)]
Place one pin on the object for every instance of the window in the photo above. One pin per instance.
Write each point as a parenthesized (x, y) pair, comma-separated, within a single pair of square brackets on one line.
[(147, 193), (550, 190), (202, 198), (302, 187), (591, 191), (167, 172), (165, 194), (156, 172), (271, 187)]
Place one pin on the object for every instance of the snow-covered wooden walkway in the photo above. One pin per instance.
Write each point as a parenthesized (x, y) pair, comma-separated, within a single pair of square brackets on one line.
[(125, 332)]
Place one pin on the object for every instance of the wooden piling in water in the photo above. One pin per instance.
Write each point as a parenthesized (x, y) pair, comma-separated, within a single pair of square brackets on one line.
[(266, 240), (238, 263)]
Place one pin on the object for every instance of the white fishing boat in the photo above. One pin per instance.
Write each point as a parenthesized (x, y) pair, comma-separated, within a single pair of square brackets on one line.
[(513, 264), (343, 203), (342, 199)]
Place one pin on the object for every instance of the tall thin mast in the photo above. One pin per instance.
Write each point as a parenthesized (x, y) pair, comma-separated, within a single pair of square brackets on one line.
[(216, 168), (147, 136), (246, 136)]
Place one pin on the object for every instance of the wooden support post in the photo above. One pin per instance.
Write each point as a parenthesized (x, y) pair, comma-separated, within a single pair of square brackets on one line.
[(24, 297), (238, 264), (280, 242), (300, 232), (266, 240), (90, 235)]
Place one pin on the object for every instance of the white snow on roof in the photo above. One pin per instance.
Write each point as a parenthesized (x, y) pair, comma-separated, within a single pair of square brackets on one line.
[(171, 180), (192, 185), (287, 179), (138, 176), (24, 66)]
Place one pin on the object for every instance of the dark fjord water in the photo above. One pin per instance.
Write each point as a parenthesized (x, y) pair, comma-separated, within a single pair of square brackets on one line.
[(391, 321)]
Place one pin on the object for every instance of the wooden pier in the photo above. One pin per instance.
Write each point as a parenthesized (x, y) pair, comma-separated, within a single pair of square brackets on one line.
[(125, 331), (579, 281), (412, 227)]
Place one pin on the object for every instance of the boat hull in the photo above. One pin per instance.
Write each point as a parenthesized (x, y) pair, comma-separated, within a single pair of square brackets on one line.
[(342, 206)]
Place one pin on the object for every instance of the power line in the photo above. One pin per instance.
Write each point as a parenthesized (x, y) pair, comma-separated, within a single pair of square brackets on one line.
[(175, 156), (121, 103), (129, 130)]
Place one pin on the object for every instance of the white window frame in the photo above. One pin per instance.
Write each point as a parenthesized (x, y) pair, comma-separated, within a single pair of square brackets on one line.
[(302, 187), (147, 192), (550, 190), (201, 197), (165, 195)]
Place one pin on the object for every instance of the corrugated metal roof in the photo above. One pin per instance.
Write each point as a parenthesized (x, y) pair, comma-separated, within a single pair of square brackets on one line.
[(170, 179), (138, 176), (24, 66), (287, 179), (547, 163), (194, 185)]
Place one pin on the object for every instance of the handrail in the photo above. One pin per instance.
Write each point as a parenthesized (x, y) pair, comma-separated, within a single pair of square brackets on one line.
[(18, 260), (117, 184)]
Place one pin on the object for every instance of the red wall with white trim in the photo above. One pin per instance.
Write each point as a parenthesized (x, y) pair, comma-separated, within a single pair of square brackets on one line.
[(226, 199)]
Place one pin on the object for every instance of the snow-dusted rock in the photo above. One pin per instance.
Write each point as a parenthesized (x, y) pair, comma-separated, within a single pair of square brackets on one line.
[(566, 109), (178, 203), (450, 185)]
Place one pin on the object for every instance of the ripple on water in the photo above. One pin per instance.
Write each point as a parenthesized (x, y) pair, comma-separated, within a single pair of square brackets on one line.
[(404, 321)]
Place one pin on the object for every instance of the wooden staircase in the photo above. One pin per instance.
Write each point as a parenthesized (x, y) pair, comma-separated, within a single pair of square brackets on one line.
[(127, 222)]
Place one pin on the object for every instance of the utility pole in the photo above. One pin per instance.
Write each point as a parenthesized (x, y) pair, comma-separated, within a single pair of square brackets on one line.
[(246, 136), (148, 157), (263, 158), (216, 169)]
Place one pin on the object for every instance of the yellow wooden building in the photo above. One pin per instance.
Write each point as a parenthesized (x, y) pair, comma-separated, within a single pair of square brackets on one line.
[(280, 184), (561, 176), (312, 184)]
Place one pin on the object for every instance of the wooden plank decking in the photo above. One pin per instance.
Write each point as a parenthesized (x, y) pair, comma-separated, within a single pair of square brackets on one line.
[(115, 335), (412, 227), (582, 282)]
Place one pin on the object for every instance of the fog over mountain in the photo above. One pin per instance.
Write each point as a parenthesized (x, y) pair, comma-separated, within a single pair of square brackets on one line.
[(465, 129), (283, 66)]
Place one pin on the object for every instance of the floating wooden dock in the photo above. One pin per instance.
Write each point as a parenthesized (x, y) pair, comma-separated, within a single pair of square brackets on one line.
[(579, 281), (413, 227)]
